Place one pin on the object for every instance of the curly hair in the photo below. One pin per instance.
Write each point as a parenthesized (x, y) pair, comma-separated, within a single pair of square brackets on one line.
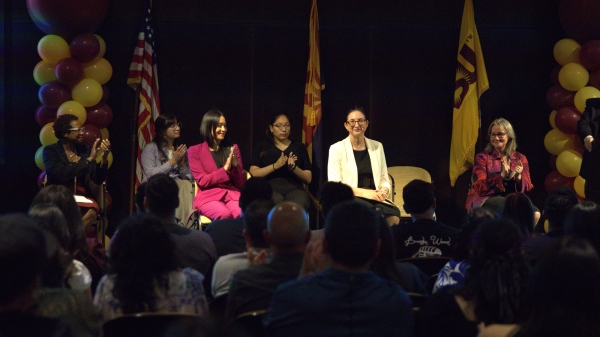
[(62, 125), (141, 255)]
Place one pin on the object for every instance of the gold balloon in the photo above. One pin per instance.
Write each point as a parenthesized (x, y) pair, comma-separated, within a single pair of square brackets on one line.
[(47, 136), (104, 133), (44, 72), (73, 108), (573, 76), (88, 92), (579, 186), (583, 95), (566, 51), (53, 48), (546, 225), (568, 163), (552, 119), (556, 142), (100, 71), (109, 158), (38, 158)]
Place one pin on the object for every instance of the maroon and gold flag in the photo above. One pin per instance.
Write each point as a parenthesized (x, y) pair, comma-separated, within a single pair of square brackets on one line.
[(311, 135), (471, 83), (143, 77)]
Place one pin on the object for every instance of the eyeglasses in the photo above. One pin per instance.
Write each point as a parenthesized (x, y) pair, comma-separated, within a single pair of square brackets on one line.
[(352, 122), (78, 130), (175, 126), (282, 126), (499, 135)]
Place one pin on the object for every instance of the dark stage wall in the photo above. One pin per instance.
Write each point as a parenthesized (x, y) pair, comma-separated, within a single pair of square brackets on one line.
[(248, 58)]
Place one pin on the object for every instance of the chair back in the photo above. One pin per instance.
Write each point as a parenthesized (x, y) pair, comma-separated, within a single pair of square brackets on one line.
[(251, 323), (399, 177), (155, 324)]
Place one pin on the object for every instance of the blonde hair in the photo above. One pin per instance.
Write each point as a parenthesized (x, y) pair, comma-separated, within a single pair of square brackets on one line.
[(511, 145)]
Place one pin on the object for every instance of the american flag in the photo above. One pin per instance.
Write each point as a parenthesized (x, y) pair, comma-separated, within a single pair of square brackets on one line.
[(143, 76)]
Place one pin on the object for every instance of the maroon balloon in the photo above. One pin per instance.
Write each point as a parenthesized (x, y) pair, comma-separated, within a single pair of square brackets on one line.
[(85, 47), (91, 134), (105, 94), (595, 79), (552, 162), (68, 71), (554, 75), (566, 119), (41, 179), (43, 115), (99, 115), (578, 145), (579, 19), (589, 55), (558, 97), (53, 94), (555, 179), (67, 18)]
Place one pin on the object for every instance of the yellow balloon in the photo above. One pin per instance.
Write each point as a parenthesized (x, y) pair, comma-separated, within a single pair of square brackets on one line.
[(104, 133), (556, 142), (38, 158), (546, 225), (73, 108), (579, 186), (44, 72), (552, 119), (568, 163), (88, 92), (566, 51), (583, 95), (573, 76), (109, 158), (53, 48), (100, 71), (47, 136)]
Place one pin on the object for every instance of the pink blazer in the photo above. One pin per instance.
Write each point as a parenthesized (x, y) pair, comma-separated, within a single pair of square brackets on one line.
[(213, 183)]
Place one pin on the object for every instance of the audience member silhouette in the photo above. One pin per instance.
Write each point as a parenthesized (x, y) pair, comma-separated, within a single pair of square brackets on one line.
[(518, 208), (584, 221)]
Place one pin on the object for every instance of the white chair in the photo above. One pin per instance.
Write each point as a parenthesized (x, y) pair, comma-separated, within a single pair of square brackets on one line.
[(399, 177)]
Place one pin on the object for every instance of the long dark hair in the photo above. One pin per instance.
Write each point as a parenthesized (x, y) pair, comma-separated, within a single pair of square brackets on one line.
[(497, 272), (162, 123), (384, 265), (471, 223), (63, 198), (209, 123), (136, 266), (518, 208), (563, 297), (270, 139)]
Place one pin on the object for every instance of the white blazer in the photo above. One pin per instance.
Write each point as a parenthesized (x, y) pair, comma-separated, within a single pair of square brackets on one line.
[(341, 165)]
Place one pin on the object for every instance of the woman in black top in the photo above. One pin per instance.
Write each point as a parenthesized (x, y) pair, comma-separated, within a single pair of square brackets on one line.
[(284, 163)]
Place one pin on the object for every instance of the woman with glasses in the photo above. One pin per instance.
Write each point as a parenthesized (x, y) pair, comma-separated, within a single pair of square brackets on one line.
[(216, 165), (165, 155), (499, 170), (284, 163), (359, 162), (73, 164)]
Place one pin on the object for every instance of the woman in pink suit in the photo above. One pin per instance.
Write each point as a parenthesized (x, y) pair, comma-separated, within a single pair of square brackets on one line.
[(217, 168)]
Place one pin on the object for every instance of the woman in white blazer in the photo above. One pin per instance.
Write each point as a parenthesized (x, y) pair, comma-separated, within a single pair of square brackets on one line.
[(360, 163)]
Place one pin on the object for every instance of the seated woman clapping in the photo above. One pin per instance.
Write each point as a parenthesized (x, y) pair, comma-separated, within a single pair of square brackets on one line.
[(143, 274)]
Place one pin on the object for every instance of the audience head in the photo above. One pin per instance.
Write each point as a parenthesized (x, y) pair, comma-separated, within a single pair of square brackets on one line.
[(287, 228), (418, 197), (333, 193), (557, 205), (563, 293), (140, 194), (496, 273), (62, 124), (352, 234), (584, 221), (22, 256), (161, 195), (255, 217), (255, 188), (63, 198), (385, 265), (470, 225), (518, 208), (137, 267), (506, 127)]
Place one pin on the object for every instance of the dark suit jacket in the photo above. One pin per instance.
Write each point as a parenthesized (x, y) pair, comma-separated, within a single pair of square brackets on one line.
[(588, 126)]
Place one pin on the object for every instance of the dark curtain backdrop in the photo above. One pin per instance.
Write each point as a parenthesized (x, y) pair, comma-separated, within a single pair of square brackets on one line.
[(396, 59)]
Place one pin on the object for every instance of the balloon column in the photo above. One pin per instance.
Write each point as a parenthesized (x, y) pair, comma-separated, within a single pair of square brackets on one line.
[(575, 79), (72, 73)]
